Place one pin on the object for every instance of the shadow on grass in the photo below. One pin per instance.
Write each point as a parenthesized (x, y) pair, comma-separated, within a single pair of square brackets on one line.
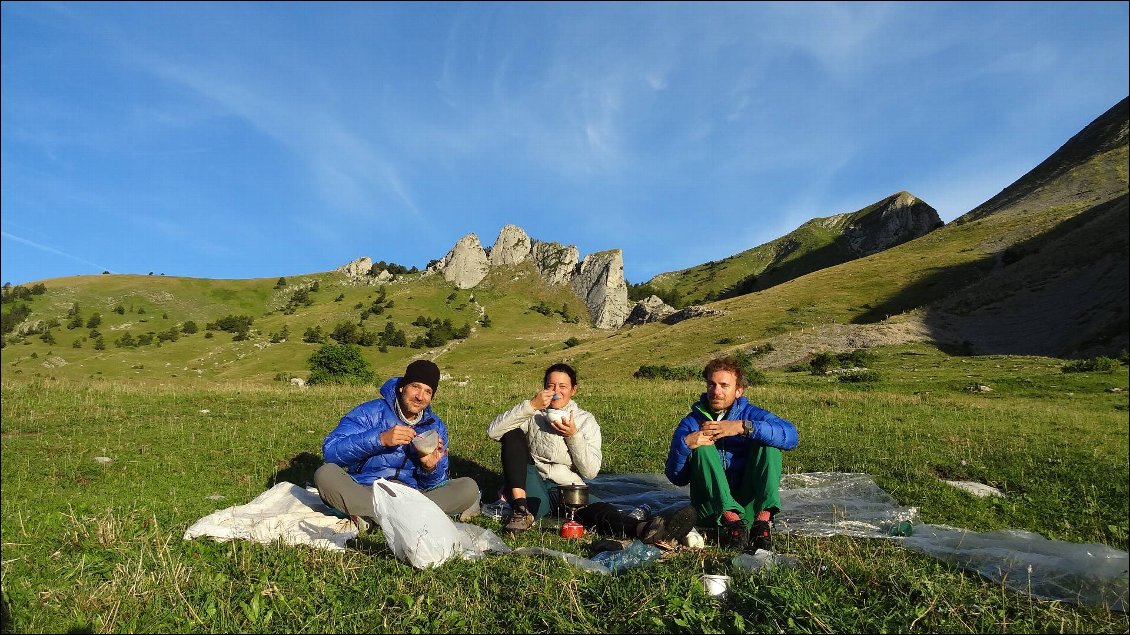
[(299, 470), (489, 481), (301, 467)]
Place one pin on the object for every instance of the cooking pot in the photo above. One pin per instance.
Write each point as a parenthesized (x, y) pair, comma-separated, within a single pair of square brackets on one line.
[(574, 495)]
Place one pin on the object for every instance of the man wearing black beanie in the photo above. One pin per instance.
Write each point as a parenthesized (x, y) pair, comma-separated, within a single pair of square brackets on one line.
[(396, 437)]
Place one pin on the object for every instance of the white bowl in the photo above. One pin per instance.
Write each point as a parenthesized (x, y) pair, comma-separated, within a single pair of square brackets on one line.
[(556, 416)]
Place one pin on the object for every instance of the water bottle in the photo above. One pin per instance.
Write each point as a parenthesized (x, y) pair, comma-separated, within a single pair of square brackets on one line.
[(635, 555), (904, 528), (643, 512), (498, 510)]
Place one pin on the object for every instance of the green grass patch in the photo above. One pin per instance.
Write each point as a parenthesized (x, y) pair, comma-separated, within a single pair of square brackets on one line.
[(98, 547)]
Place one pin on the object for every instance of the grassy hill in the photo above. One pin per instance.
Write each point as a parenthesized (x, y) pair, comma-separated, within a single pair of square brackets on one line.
[(1056, 238), (815, 245)]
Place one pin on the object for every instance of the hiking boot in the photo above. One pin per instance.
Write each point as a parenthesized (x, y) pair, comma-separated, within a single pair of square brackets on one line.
[(671, 526), (520, 520), (364, 525), (759, 537), (470, 512), (733, 534)]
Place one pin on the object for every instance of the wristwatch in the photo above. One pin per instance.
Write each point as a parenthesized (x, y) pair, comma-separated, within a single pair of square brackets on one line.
[(747, 427)]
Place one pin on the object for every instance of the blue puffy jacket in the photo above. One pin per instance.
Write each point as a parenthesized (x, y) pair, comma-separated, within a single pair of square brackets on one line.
[(768, 430), (355, 444)]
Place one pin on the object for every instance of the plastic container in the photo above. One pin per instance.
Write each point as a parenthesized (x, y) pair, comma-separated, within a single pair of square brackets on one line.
[(717, 586)]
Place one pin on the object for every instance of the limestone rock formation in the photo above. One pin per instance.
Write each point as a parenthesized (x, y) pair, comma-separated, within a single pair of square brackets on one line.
[(600, 282), (466, 264), (899, 218), (599, 279), (555, 262), (512, 247), (358, 268), (693, 311), (650, 309)]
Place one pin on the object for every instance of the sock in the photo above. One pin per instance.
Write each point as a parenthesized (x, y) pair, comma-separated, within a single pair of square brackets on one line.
[(763, 515), (519, 503), (730, 516)]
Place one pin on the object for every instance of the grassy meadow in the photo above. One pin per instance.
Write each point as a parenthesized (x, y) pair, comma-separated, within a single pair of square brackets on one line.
[(92, 547)]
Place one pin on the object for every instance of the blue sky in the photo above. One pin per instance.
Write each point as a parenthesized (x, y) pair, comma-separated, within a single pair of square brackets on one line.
[(235, 140)]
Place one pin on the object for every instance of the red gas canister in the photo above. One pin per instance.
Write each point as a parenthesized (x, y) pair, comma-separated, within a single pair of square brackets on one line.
[(572, 529)]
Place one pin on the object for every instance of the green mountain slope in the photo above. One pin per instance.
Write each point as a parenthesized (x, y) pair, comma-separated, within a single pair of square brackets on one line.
[(817, 244), (1042, 270)]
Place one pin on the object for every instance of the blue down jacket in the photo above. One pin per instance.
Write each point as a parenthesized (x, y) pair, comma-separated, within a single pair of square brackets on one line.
[(355, 444), (768, 430)]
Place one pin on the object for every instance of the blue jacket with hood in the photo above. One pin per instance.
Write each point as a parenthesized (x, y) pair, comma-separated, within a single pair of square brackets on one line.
[(768, 430), (355, 444)]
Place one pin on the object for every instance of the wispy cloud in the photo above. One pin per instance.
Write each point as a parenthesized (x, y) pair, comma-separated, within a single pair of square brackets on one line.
[(53, 251)]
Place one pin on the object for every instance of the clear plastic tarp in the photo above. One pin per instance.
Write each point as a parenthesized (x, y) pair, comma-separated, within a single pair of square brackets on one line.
[(835, 503)]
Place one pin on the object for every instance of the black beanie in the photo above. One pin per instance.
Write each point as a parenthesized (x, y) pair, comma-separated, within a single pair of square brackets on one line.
[(423, 371)]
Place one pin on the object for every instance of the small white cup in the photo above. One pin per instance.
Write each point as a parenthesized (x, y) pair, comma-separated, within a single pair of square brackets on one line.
[(716, 585)]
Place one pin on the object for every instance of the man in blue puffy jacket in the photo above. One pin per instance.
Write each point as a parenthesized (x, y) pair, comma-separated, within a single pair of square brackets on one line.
[(729, 452), (389, 438)]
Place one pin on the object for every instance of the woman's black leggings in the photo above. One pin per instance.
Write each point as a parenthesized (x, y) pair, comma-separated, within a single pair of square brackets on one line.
[(515, 458), (603, 517)]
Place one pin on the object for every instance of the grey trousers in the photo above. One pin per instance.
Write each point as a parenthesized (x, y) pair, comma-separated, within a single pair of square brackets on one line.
[(338, 490)]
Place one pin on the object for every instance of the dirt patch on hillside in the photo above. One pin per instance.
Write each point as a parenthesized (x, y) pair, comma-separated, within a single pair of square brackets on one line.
[(797, 346)]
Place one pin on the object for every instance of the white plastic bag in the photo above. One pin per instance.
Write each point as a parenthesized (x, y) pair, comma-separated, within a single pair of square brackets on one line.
[(415, 528)]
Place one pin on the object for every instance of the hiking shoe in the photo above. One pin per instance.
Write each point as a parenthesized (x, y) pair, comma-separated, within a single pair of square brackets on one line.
[(671, 526), (470, 512), (759, 537), (520, 520), (733, 534), (364, 525)]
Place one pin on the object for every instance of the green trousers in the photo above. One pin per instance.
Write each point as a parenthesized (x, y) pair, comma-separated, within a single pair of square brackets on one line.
[(712, 492)]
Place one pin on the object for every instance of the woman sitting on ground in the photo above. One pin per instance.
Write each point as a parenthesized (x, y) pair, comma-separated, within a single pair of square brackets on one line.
[(539, 454)]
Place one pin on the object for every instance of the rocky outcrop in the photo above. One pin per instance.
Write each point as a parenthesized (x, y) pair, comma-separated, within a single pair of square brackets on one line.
[(466, 264), (600, 282), (512, 247), (650, 309), (556, 263), (896, 220), (689, 312), (360, 270), (599, 279), (357, 268)]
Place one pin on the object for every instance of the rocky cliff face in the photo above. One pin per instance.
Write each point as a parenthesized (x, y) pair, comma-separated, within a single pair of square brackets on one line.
[(466, 264), (898, 219), (598, 279)]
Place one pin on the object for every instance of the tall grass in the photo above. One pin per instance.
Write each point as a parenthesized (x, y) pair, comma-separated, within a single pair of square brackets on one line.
[(97, 547)]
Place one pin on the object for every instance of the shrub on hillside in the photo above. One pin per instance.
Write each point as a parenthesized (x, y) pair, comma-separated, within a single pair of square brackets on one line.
[(228, 323), (860, 377), (339, 364), (1094, 365), (663, 371)]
